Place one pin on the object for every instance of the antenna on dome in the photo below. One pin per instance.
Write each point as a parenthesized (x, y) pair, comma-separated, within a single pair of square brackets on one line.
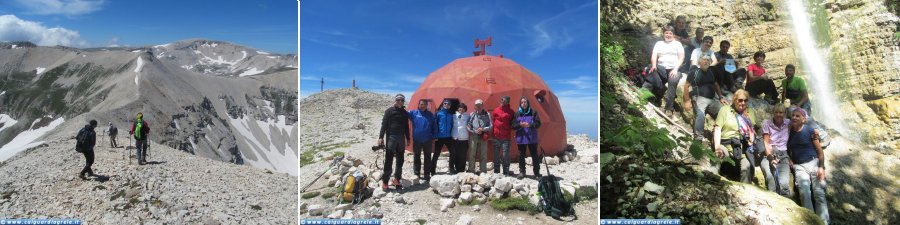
[(481, 44)]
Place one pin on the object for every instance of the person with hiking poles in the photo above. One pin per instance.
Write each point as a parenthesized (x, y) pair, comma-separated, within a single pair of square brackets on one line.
[(423, 126), (808, 162), (503, 118), (85, 142), (775, 135), (140, 129), (526, 125), (479, 125), (112, 131), (394, 124)]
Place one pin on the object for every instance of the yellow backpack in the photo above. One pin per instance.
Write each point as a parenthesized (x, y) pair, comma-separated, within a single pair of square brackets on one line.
[(355, 188)]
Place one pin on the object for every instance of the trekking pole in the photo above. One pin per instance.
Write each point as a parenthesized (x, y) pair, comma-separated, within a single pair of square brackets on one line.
[(335, 161)]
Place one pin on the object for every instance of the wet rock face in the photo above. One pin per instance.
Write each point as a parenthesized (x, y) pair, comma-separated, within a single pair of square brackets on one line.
[(863, 52)]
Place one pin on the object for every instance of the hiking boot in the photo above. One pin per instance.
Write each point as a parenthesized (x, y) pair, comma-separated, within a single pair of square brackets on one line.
[(396, 183), (670, 113), (427, 179), (81, 175)]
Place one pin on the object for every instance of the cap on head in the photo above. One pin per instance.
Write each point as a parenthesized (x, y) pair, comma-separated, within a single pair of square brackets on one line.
[(399, 97), (93, 123), (479, 102)]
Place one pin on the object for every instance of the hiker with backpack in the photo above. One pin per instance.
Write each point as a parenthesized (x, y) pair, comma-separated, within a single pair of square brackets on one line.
[(112, 131), (479, 125), (503, 118), (808, 162), (394, 124), (140, 129), (526, 125), (85, 141)]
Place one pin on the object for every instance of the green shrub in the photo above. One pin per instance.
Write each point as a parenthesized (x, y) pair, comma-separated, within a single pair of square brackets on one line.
[(522, 204)]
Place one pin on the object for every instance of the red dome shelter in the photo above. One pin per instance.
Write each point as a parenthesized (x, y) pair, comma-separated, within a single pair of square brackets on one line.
[(488, 78)]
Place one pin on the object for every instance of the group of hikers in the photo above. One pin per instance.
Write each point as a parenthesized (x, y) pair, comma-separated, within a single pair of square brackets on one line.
[(464, 134), (790, 141), (86, 140)]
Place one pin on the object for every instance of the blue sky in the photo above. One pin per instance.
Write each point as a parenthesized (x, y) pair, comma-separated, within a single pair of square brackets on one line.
[(392, 46), (268, 25)]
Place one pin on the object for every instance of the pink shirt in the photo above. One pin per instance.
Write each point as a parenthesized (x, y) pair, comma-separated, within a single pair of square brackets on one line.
[(756, 70), (778, 136)]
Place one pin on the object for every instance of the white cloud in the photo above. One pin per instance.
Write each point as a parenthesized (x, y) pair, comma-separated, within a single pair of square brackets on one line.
[(114, 42), (61, 7), (580, 82), (14, 29), (553, 32)]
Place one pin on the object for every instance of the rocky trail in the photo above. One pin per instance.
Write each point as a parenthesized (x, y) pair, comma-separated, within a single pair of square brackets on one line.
[(448, 199), (174, 188)]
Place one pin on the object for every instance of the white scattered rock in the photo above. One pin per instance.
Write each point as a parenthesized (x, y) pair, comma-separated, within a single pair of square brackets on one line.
[(465, 197), (567, 187), (342, 207), (314, 210), (348, 215), (465, 188), (445, 185), (467, 178), (588, 160), (378, 193), (514, 194), (446, 204), (653, 188), (519, 186), (477, 188), (551, 160), (494, 193), (400, 199), (534, 199), (465, 219), (503, 184), (476, 208), (336, 214)]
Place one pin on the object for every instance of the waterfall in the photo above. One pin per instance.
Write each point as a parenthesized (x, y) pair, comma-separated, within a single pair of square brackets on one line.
[(825, 107)]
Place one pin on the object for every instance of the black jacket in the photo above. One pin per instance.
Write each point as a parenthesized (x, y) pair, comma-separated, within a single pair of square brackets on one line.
[(91, 140), (395, 121)]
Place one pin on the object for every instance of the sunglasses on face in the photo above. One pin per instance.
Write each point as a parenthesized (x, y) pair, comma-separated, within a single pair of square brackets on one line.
[(741, 100)]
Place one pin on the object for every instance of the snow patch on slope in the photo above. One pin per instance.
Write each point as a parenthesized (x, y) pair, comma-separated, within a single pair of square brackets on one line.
[(7, 121), (251, 71), (27, 138), (40, 70), (140, 65), (268, 157)]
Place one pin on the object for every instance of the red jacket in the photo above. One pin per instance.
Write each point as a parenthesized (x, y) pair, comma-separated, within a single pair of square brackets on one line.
[(503, 119)]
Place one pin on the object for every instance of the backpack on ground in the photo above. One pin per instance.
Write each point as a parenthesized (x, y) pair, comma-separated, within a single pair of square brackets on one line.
[(552, 201), (81, 140), (355, 188)]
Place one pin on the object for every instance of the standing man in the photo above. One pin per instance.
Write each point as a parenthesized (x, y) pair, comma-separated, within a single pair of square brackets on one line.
[(503, 118), (112, 131), (394, 124), (423, 126), (140, 129), (89, 140), (443, 134), (479, 125)]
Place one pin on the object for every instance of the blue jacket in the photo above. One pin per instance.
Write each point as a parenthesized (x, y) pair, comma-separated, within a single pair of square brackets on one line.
[(444, 123), (422, 124)]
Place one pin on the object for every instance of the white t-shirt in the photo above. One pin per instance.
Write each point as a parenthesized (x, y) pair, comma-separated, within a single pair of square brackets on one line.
[(696, 54), (668, 53)]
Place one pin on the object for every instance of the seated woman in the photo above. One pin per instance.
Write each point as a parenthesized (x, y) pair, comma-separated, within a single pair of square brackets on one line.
[(664, 62), (758, 82), (732, 134), (775, 136), (808, 162)]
